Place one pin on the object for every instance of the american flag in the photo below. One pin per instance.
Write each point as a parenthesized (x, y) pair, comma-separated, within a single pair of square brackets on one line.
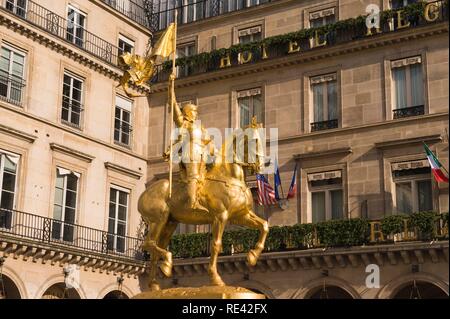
[(266, 194)]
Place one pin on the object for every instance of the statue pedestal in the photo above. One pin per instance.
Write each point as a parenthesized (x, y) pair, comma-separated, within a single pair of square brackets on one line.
[(206, 292)]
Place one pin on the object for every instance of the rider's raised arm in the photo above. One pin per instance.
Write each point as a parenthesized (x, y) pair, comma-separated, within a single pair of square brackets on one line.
[(177, 114)]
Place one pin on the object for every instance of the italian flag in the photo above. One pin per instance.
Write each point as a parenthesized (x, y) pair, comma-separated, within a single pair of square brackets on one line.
[(438, 170)]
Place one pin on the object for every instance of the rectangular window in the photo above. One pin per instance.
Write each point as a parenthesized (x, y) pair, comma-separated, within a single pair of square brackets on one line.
[(72, 105), (413, 189), (122, 121), (65, 204), (12, 71), (76, 24), (325, 104), (183, 51), (250, 105), (18, 7), (125, 45), (323, 17), (117, 220), (398, 4), (249, 35), (8, 187), (327, 199), (408, 87)]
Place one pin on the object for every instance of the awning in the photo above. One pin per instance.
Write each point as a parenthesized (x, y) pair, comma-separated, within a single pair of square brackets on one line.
[(324, 175), (410, 165)]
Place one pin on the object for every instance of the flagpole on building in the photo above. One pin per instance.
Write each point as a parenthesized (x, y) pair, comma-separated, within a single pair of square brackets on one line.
[(172, 101)]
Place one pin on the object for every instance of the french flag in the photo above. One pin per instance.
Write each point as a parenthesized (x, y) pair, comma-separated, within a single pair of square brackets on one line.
[(293, 188)]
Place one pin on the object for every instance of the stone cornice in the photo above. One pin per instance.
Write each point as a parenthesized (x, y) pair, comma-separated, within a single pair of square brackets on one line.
[(326, 258), (55, 254), (356, 128), (310, 55), (71, 51), (337, 151), (123, 170), (71, 152), (409, 141), (17, 134)]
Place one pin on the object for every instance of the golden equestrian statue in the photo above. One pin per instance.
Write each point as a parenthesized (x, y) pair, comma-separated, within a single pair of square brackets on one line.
[(223, 193), (206, 193)]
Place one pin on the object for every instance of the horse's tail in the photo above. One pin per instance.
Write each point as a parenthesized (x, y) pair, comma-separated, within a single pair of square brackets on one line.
[(154, 202)]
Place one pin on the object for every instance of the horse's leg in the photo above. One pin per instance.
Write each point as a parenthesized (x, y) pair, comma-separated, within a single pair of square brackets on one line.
[(164, 240), (253, 221), (218, 227)]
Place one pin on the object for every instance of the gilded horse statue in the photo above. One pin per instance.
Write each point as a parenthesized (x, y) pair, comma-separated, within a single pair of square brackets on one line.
[(225, 195)]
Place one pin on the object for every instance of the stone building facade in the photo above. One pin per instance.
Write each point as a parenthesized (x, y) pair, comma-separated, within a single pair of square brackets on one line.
[(73, 149), (351, 113), (349, 116)]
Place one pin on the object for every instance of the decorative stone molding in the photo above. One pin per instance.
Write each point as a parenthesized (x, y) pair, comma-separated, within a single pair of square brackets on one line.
[(123, 170), (53, 255), (337, 151), (436, 138), (71, 152), (330, 258), (17, 134)]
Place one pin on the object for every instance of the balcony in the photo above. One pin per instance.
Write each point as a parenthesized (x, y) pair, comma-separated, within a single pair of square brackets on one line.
[(324, 125), (163, 14), (409, 111), (131, 10), (63, 29), (38, 231)]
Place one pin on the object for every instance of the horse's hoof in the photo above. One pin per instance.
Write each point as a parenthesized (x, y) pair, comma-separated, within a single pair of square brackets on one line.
[(166, 269), (154, 286), (252, 258)]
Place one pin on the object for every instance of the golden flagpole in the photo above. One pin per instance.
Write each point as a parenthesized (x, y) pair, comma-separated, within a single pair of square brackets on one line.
[(172, 101)]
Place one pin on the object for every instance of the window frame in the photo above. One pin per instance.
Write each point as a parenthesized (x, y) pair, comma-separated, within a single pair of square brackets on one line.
[(63, 206), (3, 153), (186, 71), (130, 124), (15, 51), (76, 26), (73, 77), (327, 189), (127, 41), (16, 7), (408, 82), (413, 180), (324, 81), (115, 235), (251, 106)]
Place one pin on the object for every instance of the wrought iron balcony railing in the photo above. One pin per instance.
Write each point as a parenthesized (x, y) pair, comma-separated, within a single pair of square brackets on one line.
[(162, 13), (131, 9), (58, 233), (324, 125), (63, 29), (12, 89), (409, 111)]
